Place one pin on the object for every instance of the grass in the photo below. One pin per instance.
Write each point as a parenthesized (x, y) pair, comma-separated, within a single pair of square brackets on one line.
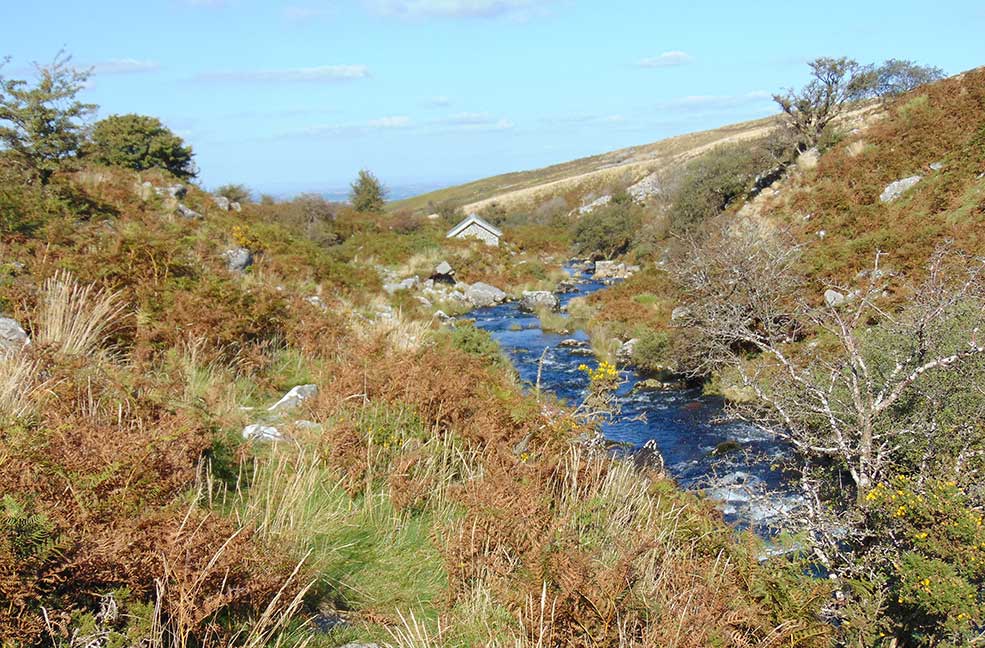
[(76, 318)]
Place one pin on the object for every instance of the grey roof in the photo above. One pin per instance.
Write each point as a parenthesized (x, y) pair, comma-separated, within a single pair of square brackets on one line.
[(473, 218)]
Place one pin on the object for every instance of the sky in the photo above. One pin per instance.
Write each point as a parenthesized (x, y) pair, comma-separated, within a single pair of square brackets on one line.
[(296, 96)]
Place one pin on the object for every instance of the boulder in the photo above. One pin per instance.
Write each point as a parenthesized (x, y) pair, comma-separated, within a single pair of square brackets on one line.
[(833, 298), (187, 212), (441, 316), (13, 338), (294, 398), (405, 284), (625, 352), (235, 206), (936, 166), (679, 313), (260, 432), (482, 294), (614, 270), (443, 270), (177, 191), (238, 259), (537, 300), (221, 202), (423, 301), (896, 189), (566, 286)]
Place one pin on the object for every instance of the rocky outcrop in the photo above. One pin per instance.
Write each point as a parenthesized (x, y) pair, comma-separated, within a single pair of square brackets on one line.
[(482, 294), (261, 432), (238, 259), (896, 189), (595, 204), (539, 300), (13, 337), (221, 202), (645, 189), (614, 270)]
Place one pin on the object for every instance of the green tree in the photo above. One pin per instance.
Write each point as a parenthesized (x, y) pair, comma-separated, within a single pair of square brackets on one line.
[(608, 230), (835, 83), (140, 142), (42, 123), (367, 193), (896, 77)]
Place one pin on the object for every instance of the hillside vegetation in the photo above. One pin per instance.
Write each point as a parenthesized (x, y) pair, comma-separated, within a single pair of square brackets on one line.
[(228, 423)]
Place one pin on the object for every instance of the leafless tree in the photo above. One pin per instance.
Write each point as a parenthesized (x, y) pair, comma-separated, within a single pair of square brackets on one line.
[(872, 393)]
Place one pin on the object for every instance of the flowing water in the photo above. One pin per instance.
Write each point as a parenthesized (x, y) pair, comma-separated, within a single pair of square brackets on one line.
[(686, 426)]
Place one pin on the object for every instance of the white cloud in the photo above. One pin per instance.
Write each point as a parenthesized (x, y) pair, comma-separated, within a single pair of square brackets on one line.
[(459, 8), (472, 122), (667, 59), (124, 66), (322, 74), (389, 122)]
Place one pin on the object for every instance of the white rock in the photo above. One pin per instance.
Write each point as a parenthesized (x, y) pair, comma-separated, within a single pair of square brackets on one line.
[(294, 398), (595, 204), (13, 337), (188, 212), (482, 294), (645, 188), (833, 298), (260, 432), (238, 259), (221, 202), (896, 189)]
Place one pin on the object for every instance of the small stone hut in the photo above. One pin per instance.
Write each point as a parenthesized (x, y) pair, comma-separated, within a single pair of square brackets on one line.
[(475, 227)]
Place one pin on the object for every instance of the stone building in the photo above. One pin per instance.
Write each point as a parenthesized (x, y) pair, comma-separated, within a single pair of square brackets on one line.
[(475, 227)]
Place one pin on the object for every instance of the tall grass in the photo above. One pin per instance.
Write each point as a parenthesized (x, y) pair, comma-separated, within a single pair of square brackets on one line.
[(75, 318), (17, 383)]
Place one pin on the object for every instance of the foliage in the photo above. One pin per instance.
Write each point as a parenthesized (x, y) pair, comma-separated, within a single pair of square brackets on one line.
[(235, 193), (652, 351), (41, 123), (367, 194), (608, 231), (713, 181), (896, 77), (139, 142)]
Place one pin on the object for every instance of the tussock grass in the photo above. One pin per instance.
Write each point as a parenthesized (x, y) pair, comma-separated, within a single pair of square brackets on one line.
[(18, 374), (76, 318)]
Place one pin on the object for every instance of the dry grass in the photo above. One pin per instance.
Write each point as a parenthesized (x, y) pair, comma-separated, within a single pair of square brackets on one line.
[(18, 375), (76, 318)]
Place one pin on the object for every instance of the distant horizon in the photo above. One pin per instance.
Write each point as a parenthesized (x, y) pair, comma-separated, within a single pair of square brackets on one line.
[(295, 96)]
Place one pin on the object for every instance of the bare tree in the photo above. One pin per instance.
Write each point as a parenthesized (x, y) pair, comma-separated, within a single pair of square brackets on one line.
[(867, 396)]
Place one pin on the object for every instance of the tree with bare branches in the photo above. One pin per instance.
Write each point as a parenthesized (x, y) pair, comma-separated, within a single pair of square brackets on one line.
[(866, 391)]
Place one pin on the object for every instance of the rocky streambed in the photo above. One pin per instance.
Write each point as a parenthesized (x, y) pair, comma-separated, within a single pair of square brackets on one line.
[(732, 462)]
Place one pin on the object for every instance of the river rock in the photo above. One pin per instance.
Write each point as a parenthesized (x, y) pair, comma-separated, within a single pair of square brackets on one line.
[(13, 337), (482, 294), (614, 270), (238, 259), (537, 300), (294, 398), (896, 189), (625, 352)]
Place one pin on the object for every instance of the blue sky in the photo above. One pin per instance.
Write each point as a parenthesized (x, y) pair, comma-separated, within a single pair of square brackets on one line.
[(296, 96)]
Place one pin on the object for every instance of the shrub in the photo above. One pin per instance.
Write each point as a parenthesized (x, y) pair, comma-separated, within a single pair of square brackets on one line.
[(651, 351), (714, 180), (42, 124), (139, 142), (367, 193), (235, 193), (608, 231)]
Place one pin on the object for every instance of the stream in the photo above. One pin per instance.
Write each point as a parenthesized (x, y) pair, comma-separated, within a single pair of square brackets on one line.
[(686, 426)]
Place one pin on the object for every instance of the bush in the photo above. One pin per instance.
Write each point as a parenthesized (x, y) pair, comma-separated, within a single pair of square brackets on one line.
[(651, 351), (139, 142), (608, 231), (713, 181), (367, 193), (234, 193)]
